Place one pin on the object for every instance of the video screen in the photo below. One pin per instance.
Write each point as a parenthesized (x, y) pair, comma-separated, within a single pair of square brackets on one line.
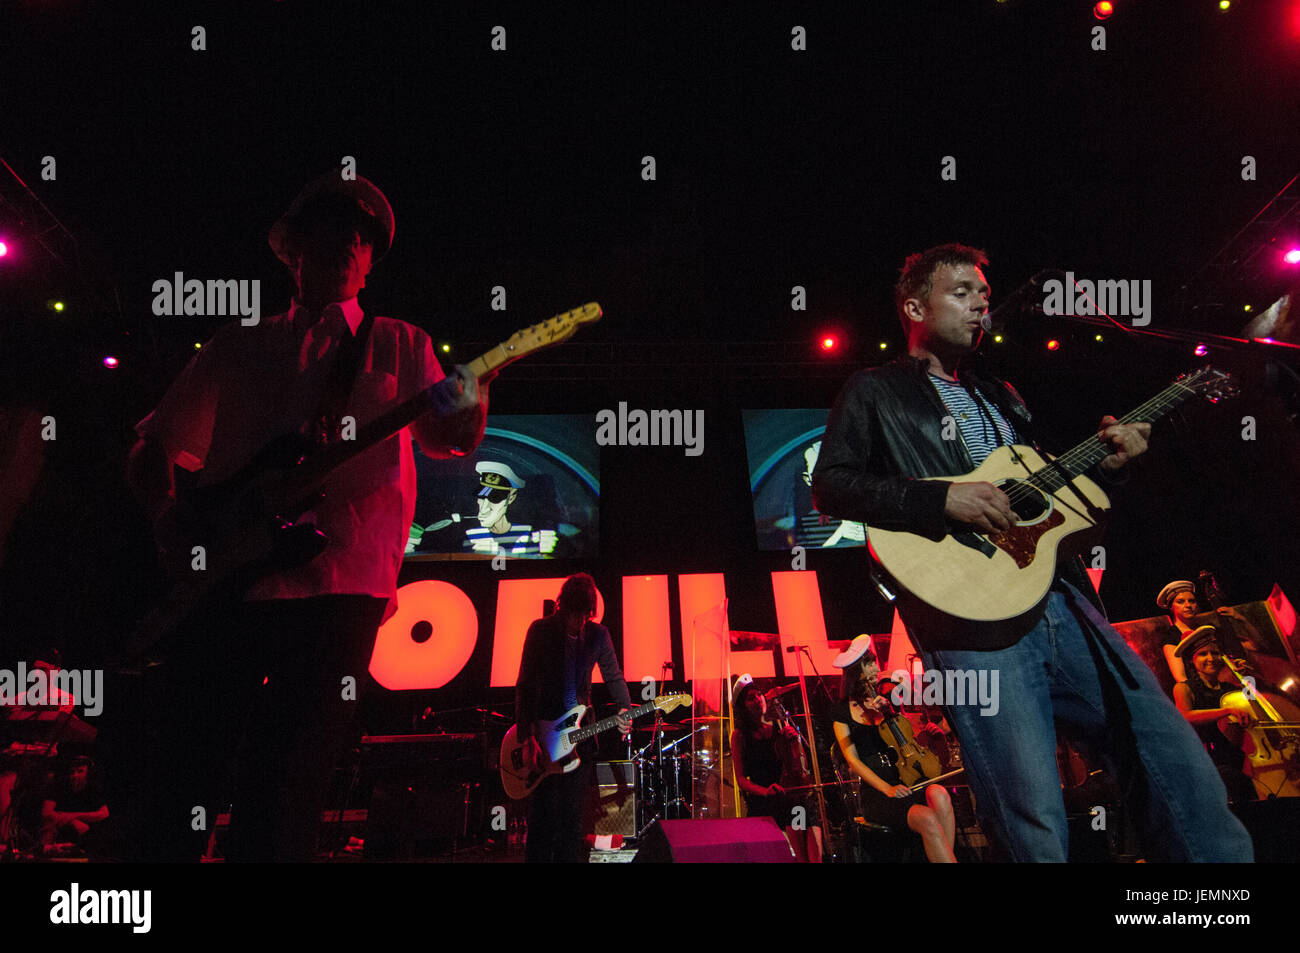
[(531, 490), (782, 447)]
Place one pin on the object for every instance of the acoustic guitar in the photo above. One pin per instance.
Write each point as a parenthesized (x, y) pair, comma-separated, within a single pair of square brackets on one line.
[(1001, 577)]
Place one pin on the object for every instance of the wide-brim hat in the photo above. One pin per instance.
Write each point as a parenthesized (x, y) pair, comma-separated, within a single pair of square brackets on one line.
[(857, 648), (1166, 597), (375, 215), (1194, 640)]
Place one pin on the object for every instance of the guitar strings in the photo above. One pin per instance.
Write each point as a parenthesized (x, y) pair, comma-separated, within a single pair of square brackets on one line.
[(1085, 454)]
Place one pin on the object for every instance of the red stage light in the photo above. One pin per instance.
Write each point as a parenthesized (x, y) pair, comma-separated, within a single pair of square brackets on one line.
[(1053, 345), (1201, 350), (110, 362), (830, 342), (1292, 257), (1103, 9)]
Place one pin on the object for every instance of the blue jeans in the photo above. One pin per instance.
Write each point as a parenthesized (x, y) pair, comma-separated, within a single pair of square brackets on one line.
[(1093, 681)]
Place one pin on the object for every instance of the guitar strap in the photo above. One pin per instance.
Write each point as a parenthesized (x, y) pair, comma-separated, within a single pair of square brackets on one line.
[(342, 380)]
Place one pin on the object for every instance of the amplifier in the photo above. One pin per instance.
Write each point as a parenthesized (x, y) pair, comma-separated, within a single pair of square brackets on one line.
[(616, 798)]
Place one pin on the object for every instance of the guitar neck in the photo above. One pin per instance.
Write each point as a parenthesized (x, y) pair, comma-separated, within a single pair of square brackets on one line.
[(1092, 451), (595, 728), (551, 331)]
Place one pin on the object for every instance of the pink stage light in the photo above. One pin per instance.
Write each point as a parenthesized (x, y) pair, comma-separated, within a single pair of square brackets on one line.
[(4, 249), (1292, 257), (110, 362), (1201, 350)]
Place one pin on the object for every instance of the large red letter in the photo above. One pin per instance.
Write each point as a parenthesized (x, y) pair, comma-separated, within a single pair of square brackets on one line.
[(443, 618)]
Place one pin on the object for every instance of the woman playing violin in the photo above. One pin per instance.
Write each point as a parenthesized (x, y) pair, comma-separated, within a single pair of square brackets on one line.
[(888, 802), (757, 750)]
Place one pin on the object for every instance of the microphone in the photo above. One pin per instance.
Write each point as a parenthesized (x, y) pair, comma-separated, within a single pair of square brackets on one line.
[(998, 317)]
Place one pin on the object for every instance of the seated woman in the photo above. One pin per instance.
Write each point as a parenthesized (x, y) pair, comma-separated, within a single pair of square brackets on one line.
[(758, 764), (1179, 600), (888, 801)]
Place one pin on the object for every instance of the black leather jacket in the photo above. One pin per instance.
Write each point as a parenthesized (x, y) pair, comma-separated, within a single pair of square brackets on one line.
[(884, 434)]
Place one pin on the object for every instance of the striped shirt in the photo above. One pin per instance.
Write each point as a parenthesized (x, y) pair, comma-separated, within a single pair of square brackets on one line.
[(972, 420)]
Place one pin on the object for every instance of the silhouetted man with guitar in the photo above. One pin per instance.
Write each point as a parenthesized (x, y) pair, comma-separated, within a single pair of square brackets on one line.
[(979, 586), (277, 664), (559, 654)]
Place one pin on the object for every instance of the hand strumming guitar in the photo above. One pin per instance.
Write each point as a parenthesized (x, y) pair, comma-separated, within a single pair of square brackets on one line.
[(981, 505)]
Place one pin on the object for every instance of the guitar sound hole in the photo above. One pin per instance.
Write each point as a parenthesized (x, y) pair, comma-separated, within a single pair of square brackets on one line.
[(1028, 502)]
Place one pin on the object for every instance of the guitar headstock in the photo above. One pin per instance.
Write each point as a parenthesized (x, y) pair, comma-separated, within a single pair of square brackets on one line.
[(667, 703), (552, 330), (1213, 385)]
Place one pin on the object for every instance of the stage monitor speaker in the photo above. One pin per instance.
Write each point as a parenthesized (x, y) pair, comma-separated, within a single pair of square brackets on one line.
[(742, 840), (616, 798)]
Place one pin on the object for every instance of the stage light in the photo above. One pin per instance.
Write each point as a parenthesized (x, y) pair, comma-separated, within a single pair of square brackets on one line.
[(1201, 350), (1224, 4), (197, 345), (1098, 339), (110, 362), (1247, 309), (884, 345), (4, 249), (997, 339), (1053, 345), (1292, 257), (446, 349), (54, 304), (1103, 10), (58, 306), (829, 342)]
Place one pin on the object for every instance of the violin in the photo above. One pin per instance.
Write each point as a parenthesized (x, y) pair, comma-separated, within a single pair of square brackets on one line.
[(914, 761), (789, 746)]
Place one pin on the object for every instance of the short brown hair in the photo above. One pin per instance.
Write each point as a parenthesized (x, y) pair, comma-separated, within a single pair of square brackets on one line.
[(916, 278)]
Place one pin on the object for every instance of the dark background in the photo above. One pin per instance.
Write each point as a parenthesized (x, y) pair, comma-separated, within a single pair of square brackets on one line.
[(775, 168)]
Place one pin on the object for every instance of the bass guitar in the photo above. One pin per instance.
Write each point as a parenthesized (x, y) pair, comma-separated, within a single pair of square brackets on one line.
[(1002, 577), (558, 739), (251, 524)]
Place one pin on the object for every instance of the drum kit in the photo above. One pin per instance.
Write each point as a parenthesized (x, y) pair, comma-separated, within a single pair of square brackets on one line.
[(670, 775)]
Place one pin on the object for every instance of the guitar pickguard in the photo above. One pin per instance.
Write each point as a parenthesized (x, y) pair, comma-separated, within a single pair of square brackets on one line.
[(1021, 542)]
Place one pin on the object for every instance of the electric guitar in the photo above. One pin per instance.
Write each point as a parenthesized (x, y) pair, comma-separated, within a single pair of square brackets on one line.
[(249, 525), (1001, 577), (557, 739)]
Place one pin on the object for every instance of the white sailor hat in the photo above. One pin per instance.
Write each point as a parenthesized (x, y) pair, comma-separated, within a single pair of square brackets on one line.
[(857, 648), (496, 476), (1194, 640), (1166, 597), (742, 683)]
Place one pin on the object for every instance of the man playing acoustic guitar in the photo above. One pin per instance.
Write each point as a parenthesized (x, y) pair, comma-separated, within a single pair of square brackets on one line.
[(274, 668), (886, 432)]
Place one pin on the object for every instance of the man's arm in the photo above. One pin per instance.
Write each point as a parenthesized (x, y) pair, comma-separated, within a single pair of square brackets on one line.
[(850, 482), (612, 673), (526, 685), (457, 414)]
